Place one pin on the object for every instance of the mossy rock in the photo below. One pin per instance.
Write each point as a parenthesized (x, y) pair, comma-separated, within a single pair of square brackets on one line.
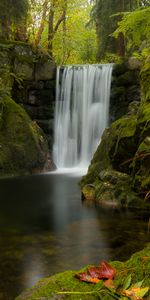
[(23, 148), (100, 159), (124, 161), (117, 145), (145, 80), (141, 165), (115, 188), (88, 192), (47, 289), (124, 143), (128, 78)]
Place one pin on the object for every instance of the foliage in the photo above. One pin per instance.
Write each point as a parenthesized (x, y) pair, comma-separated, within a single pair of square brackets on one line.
[(76, 43), (101, 14), (12, 13), (135, 27)]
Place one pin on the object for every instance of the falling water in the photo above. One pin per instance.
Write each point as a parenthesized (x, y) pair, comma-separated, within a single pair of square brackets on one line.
[(81, 113)]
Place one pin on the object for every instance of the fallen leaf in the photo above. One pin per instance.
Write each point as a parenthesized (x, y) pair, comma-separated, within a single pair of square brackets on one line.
[(94, 272), (136, 293), (106, 271), (109, 283), (86, 277)]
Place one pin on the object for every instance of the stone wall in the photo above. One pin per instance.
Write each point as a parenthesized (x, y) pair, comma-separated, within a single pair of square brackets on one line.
[(125, 88), (36, 90), (29, 78)]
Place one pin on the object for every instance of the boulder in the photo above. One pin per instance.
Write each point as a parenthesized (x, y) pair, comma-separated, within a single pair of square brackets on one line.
[(23, 146)]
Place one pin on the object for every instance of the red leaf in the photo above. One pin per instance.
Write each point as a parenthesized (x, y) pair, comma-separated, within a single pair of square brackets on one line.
[(106, 271), (94, 272)]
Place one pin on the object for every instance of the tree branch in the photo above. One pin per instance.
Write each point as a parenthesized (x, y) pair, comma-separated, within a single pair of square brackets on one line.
[(62, 17)]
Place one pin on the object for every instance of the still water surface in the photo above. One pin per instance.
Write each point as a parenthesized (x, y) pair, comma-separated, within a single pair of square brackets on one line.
[(45, 228)]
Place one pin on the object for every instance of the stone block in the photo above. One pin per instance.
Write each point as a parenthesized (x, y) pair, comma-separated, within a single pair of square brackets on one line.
[(45, 70)]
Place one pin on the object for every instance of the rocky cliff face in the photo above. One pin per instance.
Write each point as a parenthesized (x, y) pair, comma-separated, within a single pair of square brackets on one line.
[(119, 173)]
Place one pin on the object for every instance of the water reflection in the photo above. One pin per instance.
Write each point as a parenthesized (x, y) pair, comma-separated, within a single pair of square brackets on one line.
[(45, 228)]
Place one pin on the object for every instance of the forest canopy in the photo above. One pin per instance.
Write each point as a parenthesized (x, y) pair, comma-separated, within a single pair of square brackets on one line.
[(78, 31)]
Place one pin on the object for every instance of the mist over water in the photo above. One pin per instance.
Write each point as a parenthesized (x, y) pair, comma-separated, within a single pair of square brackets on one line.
[(81, 114)]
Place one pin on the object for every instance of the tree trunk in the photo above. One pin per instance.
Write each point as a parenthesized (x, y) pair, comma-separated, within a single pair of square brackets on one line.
[(121, 45), (64, 31), (41, 28), (51, 31), (120, 40)]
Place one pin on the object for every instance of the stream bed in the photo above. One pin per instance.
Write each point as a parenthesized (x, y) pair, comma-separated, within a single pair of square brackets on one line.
[(45, 228)]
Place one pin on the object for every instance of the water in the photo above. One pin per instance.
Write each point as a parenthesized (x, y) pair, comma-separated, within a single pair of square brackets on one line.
[(81, 115), (45, 228)]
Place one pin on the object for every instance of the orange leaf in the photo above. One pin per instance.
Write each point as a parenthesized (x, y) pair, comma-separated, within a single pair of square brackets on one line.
[(109, 283), (136, 293), (94, 280)]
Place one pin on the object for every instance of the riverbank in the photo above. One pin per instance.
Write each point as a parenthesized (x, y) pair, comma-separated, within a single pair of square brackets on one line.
[(66, 286)]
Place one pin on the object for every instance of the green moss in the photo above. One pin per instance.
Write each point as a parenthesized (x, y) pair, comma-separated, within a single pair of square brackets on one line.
[(138, 266), (88, 192), (22, 145), (143, 125), (125, 126), (100, 160)]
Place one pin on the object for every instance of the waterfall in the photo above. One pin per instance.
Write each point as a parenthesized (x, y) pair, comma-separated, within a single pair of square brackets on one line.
[(81, 113)]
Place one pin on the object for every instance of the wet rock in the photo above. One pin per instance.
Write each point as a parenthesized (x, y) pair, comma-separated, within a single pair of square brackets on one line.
[(88, 192)]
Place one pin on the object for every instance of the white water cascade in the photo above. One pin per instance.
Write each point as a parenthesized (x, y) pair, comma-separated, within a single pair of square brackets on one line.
[(81, 113)]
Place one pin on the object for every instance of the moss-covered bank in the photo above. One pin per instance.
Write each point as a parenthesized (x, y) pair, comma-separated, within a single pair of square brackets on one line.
[(119, 172), (138, 266), (23, 148)]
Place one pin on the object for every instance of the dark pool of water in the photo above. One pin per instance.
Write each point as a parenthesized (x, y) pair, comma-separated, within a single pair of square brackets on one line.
[(45, 228)]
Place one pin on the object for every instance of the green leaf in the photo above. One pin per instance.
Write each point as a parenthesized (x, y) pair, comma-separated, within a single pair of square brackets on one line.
[(138, 284), (142, 292), (98, 285), (127, 282)]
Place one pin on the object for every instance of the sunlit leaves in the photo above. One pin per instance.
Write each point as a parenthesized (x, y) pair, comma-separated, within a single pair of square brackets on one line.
[(136, 28), (80, 40)]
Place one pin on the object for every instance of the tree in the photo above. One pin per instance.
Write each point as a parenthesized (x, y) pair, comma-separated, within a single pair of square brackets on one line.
[(13, 15), (105, 24), (66, 33), (135, 28)]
